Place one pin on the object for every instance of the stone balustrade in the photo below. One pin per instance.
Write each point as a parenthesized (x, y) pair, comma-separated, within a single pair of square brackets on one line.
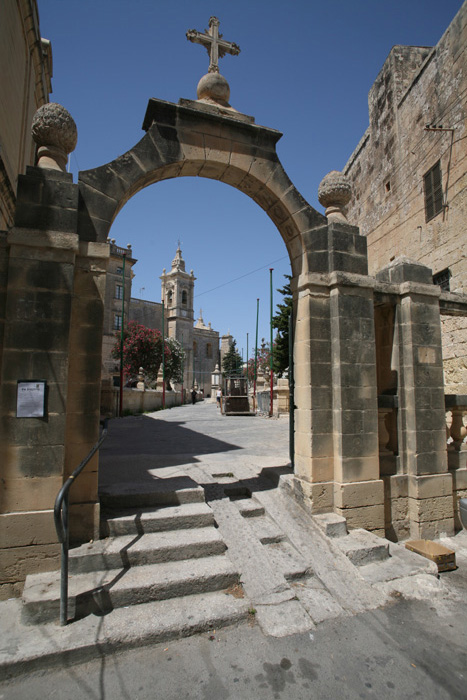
[(456, 431)]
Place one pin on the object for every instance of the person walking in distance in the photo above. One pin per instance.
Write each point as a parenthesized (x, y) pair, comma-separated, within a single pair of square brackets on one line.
[(193, 396)]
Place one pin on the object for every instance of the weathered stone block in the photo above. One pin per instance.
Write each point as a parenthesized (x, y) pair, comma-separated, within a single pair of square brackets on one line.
[(367, 517), (428, 509), (396, 486), (22, 494), (459, 478), (17, 562), (27, 528), (30, 461), (316, 497), (356, 469), (431, 530), (84, 522), (355, 495), (396, 509), (429, 463), (430, 486)]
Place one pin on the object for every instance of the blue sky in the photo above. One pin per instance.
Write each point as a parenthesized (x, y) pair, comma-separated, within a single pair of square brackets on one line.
[(305, 68)]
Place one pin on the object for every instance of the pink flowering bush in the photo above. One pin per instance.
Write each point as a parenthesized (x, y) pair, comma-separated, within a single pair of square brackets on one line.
[(142, 347)]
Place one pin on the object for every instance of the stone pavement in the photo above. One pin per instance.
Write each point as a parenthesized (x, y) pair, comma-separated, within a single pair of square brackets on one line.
[(293, 576)]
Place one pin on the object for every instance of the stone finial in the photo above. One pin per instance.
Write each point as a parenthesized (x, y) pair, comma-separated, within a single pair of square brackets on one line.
[(214, 89), (54, 130), (334, 193)]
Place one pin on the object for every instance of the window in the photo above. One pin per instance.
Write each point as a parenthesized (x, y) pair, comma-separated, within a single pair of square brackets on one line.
[(118, 291), (442, 279), (433, 192), (169, 297), (184, 298), (209, 350), (195, 347), (119, 271), (118, 322)]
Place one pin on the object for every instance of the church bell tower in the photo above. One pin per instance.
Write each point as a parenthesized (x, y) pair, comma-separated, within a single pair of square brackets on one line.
[(177, 293)]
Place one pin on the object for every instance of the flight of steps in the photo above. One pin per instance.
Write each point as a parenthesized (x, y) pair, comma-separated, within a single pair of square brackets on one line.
[(160, 544)]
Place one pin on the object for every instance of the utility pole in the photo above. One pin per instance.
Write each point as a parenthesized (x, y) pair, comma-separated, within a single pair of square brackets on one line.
[(271, 383)]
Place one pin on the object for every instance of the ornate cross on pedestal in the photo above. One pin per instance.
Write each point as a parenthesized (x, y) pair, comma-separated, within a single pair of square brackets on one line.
[(216, 46)]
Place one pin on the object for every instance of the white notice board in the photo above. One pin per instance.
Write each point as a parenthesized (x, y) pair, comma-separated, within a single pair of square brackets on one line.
[(30, 399)]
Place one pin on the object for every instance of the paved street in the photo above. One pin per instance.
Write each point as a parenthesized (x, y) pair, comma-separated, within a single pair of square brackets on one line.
[(407, 650), (337, 638)]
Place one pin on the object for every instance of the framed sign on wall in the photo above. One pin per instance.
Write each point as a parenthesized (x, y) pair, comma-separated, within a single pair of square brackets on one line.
[(30, 398)]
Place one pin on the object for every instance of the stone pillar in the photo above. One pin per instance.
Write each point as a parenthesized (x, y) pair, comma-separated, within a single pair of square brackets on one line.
[(422, 422), (84, 386), (42, 249), (337, 465), (358, 490), (36, 343), (313, 394)]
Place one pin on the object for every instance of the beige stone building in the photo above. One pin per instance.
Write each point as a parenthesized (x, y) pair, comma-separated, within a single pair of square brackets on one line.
[(115, 289), (409, 173), (200, 341), (25, 84)]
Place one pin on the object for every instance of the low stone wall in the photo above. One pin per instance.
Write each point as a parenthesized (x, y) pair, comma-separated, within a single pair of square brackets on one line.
[(136, 400), (280, 398)]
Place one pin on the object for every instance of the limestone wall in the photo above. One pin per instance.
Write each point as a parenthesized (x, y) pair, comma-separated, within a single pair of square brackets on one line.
[(416, 87), (26, 61), (137, 400)]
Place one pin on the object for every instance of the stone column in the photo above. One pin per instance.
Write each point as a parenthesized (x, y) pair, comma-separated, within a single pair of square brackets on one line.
[(422, 421), (358, 490), (42, 249), (336, 441), (84, 386), (313, 394)]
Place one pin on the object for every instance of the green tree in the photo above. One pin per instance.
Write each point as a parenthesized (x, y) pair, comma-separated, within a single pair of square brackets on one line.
[(232, 363), (174, 360), (281, 322)]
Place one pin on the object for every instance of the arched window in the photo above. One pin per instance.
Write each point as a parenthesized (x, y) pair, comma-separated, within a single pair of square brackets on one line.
[(169, 297), (195, 347), (209, 350), (184, 298)]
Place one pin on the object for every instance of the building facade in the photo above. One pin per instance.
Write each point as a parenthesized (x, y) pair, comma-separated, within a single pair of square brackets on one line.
[(199, 341), (409, 173), (25, 84), (117, 301)]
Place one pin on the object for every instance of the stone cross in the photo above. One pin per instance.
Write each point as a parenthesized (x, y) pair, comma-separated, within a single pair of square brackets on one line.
[(216, 46)]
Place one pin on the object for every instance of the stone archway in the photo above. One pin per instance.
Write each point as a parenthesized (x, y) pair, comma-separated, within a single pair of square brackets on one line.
[(58, 254), (191, 139)]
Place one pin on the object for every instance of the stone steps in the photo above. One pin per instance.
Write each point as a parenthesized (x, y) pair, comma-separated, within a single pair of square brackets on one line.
[(163, 544), (99, 592), (144, 520), (151, 548), (249, 507), (363, 547), (160, 492), (149, 623)]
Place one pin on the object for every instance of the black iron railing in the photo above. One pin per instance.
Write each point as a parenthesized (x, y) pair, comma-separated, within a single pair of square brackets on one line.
[(62, 528)]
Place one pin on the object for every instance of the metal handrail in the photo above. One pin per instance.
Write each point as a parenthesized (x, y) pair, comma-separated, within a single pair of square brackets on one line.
[(62, 528)]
